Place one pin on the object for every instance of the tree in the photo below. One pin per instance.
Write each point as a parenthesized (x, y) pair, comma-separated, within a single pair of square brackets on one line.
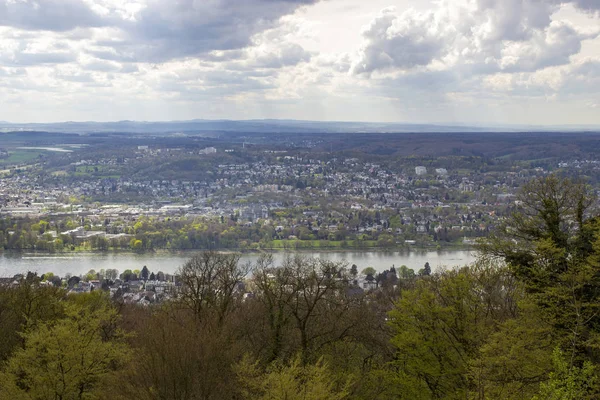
[(354, 271), (111, 274), (426, 269), (71, 358), (272, 292), (369, 271), (47, 276), (517, 357), (72, 281), (23, 308), (569, 383), (180, 357), (136, 245), (316, 290), (405, 272), (91, 275), (440, 325), (127, 275), (144, 273), (209, 280), (294, 381), (550, 245)]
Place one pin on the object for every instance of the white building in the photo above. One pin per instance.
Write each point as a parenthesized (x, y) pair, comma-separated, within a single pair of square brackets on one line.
[(441, 171), (421, 171), (208, 150)]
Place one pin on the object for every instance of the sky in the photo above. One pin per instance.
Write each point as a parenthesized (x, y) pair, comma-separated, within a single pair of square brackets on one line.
[(416, 61)]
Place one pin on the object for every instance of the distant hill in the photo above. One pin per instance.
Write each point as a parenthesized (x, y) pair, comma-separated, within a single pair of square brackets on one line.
[(267, 126)]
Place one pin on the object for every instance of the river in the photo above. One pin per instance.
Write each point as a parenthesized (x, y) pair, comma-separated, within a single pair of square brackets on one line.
[(11, 264)]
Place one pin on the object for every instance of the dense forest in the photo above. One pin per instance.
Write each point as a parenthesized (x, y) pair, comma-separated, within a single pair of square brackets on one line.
[(522, 322)]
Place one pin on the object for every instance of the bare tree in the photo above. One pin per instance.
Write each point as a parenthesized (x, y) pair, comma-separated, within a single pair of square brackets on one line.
[(273, 292), (316, 299), (209, 281)]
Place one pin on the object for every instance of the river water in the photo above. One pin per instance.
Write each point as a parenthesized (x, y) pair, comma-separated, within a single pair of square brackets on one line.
[(76, 264)]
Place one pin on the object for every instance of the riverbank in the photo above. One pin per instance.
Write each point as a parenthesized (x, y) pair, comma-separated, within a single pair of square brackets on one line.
[(302, 247)]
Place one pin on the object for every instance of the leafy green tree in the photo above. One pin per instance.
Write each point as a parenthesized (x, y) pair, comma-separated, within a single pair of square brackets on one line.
[(569, 383), (294, 381), (47, 276), (405, 272), (440, 325), (369, 271), (516, 358), (136, 244), (23, 308), (127, 275), (550, 246), (69, 358)]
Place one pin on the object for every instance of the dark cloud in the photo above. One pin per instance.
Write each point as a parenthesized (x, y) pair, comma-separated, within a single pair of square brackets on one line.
[(163, 30), (167, 30), (592, 6), (50, 15)]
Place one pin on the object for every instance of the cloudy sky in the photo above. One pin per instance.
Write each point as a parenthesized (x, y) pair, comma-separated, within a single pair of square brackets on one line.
[(446, 61)]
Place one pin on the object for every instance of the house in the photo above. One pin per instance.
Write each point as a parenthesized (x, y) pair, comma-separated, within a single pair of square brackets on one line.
[(367, 283), (9, 282), (420, 171)]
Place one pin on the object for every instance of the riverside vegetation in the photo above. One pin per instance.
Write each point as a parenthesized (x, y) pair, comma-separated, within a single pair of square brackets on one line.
[(522, 322)]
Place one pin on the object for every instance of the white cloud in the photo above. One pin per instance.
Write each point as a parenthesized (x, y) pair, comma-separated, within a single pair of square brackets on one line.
[(422, 60), (482, 35), (413, 39)]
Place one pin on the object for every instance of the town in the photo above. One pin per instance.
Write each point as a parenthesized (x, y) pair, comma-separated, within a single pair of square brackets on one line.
[(256, 197)]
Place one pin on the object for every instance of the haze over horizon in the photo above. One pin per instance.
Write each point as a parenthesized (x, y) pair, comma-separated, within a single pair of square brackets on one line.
[(299, 122), (471, 62)]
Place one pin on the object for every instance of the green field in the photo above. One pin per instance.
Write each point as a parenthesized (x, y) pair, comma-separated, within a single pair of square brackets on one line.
[(100, 171), (322, 244), (20, 157)]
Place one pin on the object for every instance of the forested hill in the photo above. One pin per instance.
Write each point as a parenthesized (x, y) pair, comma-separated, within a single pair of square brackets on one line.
[(520, 323)]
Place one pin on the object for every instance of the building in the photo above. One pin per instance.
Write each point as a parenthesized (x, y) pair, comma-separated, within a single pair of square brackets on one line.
[(441, 171), (421, 171), (208, 150)]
